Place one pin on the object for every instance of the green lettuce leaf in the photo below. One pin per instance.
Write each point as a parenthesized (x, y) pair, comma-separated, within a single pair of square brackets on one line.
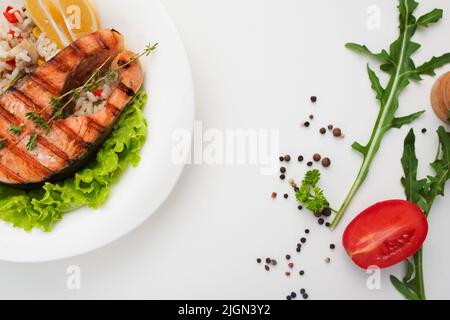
[(90, 187)]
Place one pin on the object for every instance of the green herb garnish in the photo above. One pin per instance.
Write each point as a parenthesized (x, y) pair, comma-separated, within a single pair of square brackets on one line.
[(422, 192), (310, 195), (38, 121), (15, 129), (399, 65), (31, 145), (2, 144)]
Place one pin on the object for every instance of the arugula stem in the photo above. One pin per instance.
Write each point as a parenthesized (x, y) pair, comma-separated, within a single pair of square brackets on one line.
[(374, 145), (420, 281)]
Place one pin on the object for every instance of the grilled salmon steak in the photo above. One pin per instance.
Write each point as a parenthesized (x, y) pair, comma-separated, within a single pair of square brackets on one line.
[(70, 141)]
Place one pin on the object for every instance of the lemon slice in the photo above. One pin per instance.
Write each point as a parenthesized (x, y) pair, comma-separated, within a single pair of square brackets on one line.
[(45, 15), (79, 15)]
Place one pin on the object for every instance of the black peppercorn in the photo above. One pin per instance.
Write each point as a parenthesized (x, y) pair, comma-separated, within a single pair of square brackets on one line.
[(326, 212)]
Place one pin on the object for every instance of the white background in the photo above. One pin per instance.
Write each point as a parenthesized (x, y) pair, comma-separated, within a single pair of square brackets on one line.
[(255, 64)]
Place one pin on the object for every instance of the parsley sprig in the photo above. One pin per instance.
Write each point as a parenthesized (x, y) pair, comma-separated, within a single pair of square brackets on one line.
[(310, 195)]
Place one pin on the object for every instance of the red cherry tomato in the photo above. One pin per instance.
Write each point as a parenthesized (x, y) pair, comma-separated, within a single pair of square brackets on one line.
[(98, 92), (386, 234), (11, 62)]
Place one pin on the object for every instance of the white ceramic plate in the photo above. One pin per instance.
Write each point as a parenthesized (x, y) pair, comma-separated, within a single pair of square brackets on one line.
[(140, 191)]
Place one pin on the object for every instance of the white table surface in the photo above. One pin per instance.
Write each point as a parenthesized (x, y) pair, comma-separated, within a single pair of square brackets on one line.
[(255, 64)]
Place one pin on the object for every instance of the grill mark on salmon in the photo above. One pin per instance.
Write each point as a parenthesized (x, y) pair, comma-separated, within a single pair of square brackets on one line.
[(92, 123), (44, 84), (59, 64), (127, 90), (10, 175), (51, 147), (77, 50), (22, 97), (28, 159), (8, 116), (113, 109), (72, 134), (100, 41)]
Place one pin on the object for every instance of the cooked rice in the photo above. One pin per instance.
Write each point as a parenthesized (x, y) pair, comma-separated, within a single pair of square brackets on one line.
[(18, 47), (88, 103), (19, 44)]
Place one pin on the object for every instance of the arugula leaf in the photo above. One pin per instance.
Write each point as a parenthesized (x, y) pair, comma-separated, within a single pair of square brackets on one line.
[(400, 122), (412, 186), (422, 192), (403, 289), (376, 84), (428, 68), (310, 195), (441, 166), (383, 56), (397, 62), (431, 17)]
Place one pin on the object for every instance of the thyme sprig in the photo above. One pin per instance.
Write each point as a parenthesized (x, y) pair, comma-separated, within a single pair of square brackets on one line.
[(31, 145)]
